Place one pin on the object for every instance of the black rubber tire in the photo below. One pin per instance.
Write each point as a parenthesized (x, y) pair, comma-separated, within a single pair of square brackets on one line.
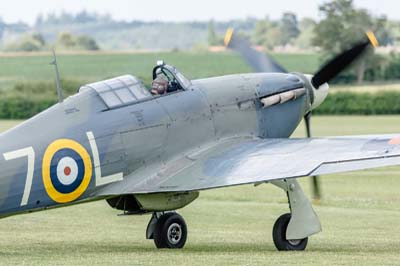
[(279, 235), (161, 239)]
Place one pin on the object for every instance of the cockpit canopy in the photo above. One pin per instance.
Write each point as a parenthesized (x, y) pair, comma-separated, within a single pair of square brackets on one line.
[(120, 91), (177, 81), (127, 89)]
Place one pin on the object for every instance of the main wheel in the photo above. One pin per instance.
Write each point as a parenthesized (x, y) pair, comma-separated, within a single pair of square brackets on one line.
[(170, 231), (279, 235)]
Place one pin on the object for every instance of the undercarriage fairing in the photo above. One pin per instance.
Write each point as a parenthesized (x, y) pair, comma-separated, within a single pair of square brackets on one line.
[(155, 202)]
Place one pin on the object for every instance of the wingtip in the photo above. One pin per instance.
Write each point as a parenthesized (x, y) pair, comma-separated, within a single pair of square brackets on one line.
[(228, 36), (394, 141), (372, 38)]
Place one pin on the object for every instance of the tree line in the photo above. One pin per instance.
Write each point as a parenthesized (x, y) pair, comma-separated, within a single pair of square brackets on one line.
[(340, 27), (35, 42)]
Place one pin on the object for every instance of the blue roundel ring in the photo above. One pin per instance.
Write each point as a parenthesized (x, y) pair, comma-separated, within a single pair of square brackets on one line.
[(66, 170), (55, 179)]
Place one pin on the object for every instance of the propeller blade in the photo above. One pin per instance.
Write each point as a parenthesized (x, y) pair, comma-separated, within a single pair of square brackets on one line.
[(258, 61), (316, 189), (307, 119), (343, 60), (314, 179)]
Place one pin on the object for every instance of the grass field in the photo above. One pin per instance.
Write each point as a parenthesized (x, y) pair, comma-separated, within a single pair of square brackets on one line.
[(360, 214), (94, 67), (86, 68), (368, 87)]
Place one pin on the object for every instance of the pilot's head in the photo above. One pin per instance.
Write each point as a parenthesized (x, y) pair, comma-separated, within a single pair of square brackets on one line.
[(159, 85)]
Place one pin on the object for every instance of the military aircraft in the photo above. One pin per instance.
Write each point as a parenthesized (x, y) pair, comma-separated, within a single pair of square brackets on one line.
[(146, 153)]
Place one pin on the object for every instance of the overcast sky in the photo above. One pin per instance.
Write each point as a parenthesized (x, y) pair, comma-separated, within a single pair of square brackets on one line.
[(182, 10)]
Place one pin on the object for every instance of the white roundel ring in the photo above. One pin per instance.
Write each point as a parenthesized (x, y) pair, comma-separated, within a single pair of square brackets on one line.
[(67, 171)]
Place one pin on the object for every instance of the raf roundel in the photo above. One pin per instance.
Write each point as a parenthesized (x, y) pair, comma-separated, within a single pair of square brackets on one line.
[(67, 170)]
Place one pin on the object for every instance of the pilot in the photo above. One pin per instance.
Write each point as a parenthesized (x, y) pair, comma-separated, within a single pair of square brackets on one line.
[(159, 86)]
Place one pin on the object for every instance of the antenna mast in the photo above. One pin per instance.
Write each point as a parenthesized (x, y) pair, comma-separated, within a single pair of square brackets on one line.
[(59, 88)]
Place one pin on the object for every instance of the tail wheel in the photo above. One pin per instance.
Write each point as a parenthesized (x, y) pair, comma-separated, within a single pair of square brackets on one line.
[(279, 235), (170, 231)]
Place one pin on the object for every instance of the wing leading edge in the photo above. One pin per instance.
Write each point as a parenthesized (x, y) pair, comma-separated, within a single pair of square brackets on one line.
[(246, 161)]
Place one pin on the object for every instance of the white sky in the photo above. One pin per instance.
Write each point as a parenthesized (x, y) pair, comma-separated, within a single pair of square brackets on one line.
[(182, 10)]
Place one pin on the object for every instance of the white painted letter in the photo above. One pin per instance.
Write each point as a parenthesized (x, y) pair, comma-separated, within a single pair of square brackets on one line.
[(101, 180), (30, 153)]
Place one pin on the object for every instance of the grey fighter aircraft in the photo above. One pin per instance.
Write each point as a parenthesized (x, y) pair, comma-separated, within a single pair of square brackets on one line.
[(153, 152)]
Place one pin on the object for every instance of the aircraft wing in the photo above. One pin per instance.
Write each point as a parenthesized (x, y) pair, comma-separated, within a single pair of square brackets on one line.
[(245, 161)]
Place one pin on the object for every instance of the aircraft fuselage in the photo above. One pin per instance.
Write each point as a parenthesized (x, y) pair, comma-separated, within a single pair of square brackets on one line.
[(69, 152)]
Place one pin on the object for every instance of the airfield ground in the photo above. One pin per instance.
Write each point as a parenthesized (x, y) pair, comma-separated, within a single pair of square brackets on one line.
[(90, 67), (360, 214), (96, 66)]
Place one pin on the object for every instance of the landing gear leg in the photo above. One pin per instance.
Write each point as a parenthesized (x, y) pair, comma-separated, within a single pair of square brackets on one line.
[(291, 230), (168, 230)]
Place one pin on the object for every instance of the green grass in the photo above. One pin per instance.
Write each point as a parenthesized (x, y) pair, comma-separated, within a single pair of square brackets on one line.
[(87, 68), (368, 87), (360, 214), (94, 67)]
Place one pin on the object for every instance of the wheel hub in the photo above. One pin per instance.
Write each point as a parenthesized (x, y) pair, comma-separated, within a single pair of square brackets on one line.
[(294, 242), (174, 233)]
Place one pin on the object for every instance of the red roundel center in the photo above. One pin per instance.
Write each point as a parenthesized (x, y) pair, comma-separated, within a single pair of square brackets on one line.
[(67, 170)]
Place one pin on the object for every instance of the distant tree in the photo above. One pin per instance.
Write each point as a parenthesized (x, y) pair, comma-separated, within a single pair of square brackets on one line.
[(39, 38), (306, 27), (82, 42), (66, 40), (274, 36), (341, 26), (28, 43), (2, 27), (393, 70), (212, 35), (261, 32), (394, 29), (384, 34), (267, 33), (87, 43), (66, 18), (39, 20), (85, 17), (289, 28), (52, 19), (28, 46)]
